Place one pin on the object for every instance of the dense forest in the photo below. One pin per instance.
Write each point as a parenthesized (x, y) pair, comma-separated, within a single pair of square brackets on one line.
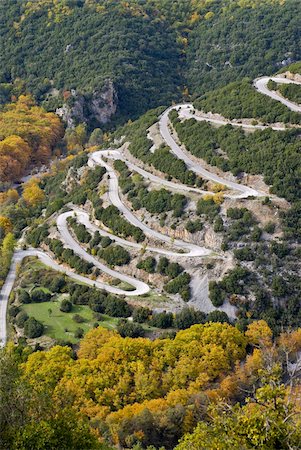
[(210, 385), (28, 136), (151, 50)]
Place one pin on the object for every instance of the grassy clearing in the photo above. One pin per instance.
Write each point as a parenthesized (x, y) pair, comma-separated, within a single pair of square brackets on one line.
[(57, 322)]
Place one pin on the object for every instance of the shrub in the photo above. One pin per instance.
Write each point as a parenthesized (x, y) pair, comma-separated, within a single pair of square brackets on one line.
[(79, 332), (23, 296), (78, 318), (129, 329), (217, 316), (148, 264), (21, 318), (117, 307), (33, 328), (13, 311), (115, 255), (38, 295), (188, 317), (194, 226), (216, 293), (207, 207), (66, 306), (141, 314), (162, 320)]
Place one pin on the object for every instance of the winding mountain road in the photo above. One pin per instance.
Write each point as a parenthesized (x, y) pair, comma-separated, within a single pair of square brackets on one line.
[(190, 250), (116, 154), (19, 255), (187, 250), (83, 218), (245, 191), (261, 84)]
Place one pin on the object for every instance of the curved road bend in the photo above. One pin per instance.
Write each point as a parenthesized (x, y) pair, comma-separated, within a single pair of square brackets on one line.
[(83, 218), (261, 84), (245, 191), (19, 255), (189, 249)]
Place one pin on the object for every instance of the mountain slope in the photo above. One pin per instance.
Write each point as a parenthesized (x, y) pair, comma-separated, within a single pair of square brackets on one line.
[(149, 50)]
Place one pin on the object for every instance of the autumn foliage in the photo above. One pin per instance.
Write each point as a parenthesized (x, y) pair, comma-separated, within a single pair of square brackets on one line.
[(115, 379), (28, 135), (211, 387)]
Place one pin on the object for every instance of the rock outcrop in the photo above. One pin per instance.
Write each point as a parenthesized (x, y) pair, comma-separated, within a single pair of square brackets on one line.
[(98, 107)]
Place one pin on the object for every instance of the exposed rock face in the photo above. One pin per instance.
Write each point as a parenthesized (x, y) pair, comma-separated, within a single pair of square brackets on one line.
[(97, 107), (291, 76), (103, 104)]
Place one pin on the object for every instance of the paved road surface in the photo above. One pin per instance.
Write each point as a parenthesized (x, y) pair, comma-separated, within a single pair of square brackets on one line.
[(189, 249), (186, 111), (140, 287), (96, 158), (261, 85), (116, 154), (244, 191)]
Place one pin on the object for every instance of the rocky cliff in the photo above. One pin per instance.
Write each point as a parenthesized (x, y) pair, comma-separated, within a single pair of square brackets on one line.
[(97, 107)]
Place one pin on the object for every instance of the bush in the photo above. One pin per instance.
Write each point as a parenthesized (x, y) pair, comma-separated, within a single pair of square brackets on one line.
[(141, 314), (180, 284), (21, 318), (66, 306), (117, 307), (129, 329), (148, 264), (217, 316), (162, 320), (79, 332), (105, 241), (115, 255), (78, 318), (57, 284), (188, 317), (194, 226), (173, 270), (23, 296), (207, 207), (216, 294), (33, 328), (38, 295), (13, 311)]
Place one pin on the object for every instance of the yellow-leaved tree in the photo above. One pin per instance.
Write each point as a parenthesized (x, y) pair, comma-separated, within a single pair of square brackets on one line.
[(32, 193)]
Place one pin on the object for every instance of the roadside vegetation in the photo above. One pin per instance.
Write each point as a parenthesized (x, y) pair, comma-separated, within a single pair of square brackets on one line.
[(274, 154)]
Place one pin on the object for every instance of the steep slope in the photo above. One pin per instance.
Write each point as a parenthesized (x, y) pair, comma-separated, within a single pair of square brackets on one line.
[(149, 49)]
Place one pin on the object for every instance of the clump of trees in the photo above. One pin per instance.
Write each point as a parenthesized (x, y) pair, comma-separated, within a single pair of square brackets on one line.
[(68, 256), (112, 219), (21, 144), (115, 255)]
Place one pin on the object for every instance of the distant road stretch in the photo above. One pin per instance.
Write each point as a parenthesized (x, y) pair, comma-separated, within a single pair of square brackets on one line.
[(261, 84)]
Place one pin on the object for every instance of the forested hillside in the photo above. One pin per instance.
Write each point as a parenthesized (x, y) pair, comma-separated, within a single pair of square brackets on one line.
[(150, 50), (201, 387), (150, 273), (28, 135)]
